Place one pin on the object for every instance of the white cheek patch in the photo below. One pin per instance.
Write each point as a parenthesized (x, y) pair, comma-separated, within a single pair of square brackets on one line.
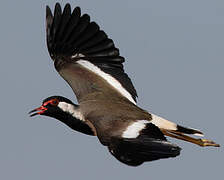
[(110, 79), (71, 109), (134, 129)]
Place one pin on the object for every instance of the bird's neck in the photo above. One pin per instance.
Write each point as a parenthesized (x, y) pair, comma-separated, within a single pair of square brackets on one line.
[(75, 124), (72, 117)]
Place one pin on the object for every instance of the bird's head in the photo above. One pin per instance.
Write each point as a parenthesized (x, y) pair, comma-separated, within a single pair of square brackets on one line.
[(65, 111), (54, 106)]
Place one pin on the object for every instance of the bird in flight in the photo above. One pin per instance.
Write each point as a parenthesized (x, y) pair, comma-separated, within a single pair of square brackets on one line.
[(87, 59)]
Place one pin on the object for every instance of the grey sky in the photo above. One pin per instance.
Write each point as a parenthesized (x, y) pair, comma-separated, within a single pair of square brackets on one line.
[(174, 54)]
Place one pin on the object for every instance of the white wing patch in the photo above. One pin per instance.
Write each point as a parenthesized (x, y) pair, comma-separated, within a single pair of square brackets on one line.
[(71, 109), (111, 80), (134, 129)]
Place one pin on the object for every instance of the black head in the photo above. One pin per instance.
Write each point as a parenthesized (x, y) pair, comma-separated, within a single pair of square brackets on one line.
[(50, 107), (64, 110)]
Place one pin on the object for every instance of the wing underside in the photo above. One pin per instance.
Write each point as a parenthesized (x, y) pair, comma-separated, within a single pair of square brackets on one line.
[(149, 145), (73, 39)]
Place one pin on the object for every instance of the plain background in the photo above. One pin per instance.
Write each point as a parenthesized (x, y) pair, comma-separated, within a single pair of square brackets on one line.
[(174, 54)]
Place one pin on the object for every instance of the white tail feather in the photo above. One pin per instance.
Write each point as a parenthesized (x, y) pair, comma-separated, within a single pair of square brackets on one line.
[(164, 124)]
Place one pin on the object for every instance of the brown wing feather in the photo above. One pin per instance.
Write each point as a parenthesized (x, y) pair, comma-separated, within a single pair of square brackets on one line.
[(88, 85)]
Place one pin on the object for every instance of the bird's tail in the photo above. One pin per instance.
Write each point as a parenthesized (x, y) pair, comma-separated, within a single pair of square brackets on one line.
[(179, 132), (164, 124)]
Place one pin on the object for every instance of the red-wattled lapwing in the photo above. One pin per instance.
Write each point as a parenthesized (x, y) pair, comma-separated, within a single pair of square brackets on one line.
[(89, 61)]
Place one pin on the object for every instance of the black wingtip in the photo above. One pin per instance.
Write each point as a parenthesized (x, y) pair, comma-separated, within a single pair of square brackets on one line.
[(70, 33), (49, 14), (49, 21), (67, 7), (77, 10), (57, 7), (56, 20)]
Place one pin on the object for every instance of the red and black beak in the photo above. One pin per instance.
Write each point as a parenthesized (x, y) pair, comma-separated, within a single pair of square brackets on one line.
[(37, 111)]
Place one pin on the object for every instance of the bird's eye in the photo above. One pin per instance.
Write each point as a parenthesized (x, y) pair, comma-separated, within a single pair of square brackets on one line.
[(54, 102)]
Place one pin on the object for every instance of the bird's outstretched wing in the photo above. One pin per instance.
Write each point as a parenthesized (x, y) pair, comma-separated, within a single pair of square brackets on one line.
[(85, 57)]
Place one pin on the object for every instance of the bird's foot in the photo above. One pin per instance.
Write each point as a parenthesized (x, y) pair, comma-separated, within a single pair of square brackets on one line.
[(206, 142)]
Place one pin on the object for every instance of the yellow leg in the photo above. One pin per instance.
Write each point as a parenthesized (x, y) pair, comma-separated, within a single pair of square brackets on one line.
[(200, 142)]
